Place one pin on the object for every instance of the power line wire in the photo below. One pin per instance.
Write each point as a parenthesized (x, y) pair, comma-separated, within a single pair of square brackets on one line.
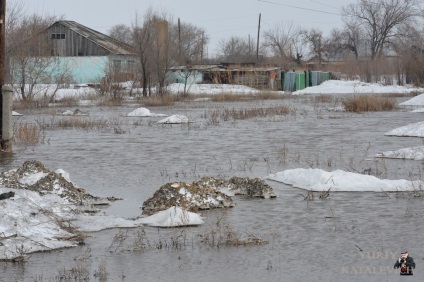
[(300, 8), (324, 4)]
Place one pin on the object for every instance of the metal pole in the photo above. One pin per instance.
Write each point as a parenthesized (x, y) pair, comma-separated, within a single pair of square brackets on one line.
[(7, 125)]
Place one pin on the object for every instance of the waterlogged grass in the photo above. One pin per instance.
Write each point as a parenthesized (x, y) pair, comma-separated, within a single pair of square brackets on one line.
[(369, 103), (217, 235), (28, 134), (214, 116), (163, 100), (82, 123)]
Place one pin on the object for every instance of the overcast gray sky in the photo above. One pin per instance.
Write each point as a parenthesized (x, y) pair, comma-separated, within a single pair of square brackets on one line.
[(221, 19)]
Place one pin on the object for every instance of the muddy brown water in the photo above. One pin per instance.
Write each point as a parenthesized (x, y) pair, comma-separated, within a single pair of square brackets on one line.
[(346, 237)]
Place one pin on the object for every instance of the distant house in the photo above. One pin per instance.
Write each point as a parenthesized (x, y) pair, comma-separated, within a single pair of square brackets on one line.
[(84, 55)]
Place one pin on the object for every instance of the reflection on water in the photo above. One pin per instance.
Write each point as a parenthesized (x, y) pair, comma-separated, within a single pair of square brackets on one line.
[(348, 237)]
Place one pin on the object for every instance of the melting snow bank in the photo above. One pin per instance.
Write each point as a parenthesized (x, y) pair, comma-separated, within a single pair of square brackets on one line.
[(411, 130), (354, 87), (31, 222), (414, 153), (172, 217), (338, 180), (143, 112), (76, 112), (174, 119), (176, 88), (42, 210)]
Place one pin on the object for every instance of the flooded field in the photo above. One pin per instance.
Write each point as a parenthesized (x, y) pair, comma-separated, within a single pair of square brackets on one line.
[(345, 237)]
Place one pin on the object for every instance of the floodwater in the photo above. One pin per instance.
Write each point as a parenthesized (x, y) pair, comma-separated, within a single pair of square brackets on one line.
[(345, 237)]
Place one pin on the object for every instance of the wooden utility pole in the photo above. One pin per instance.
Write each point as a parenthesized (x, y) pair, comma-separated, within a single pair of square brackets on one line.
[(257, 44), (2, 60), (179, 41), (201, 47)]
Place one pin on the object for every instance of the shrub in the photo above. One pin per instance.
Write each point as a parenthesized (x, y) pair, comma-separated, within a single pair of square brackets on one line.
[(369, 103), (29, 134)]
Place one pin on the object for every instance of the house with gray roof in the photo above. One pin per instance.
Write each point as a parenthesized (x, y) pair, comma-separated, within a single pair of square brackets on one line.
[(75, 54), (87, 55)]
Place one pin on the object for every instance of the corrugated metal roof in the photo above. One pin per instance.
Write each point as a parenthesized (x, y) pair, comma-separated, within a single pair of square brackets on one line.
[(198, 67), (112, 45), (225, 68)]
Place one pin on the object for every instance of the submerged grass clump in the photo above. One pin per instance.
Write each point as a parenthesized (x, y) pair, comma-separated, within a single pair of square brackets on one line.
[(162, 100), (369, 103), (242, 114), (231, 97), (82, 123), (29, 134)]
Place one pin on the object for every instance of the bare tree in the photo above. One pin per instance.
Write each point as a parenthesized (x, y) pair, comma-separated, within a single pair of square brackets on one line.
[(122, 33), (346, 41), (316, 42), (187, 43), (237, 50), (27, 49), (143, 36), (283, 41), (380, 20)]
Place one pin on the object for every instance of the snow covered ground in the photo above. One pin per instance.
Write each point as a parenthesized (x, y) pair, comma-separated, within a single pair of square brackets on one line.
[(328, 87), (356, 87)]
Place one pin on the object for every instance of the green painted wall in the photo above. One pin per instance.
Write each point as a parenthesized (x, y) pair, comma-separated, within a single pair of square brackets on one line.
[(84, 69), (78, 69), (177, 76)]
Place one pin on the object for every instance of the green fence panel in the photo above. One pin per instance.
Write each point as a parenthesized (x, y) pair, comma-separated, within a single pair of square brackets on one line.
[(307, 79), (314, 78), (289, 81), (324, 76), (300, 81)]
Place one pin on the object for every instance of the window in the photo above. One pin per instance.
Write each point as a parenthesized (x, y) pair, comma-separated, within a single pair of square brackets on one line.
[(58, 36)]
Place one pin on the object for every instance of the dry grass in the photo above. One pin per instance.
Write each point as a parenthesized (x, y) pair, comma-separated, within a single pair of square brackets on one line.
[(79, 272), (111, 101), (241, 114), (28, 134), (161, 100), (82, 123), (21, 105), (230, 97), (101, 273), (219, 235), (369, 103), (269, 95), (69, 102), (323, 98)]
